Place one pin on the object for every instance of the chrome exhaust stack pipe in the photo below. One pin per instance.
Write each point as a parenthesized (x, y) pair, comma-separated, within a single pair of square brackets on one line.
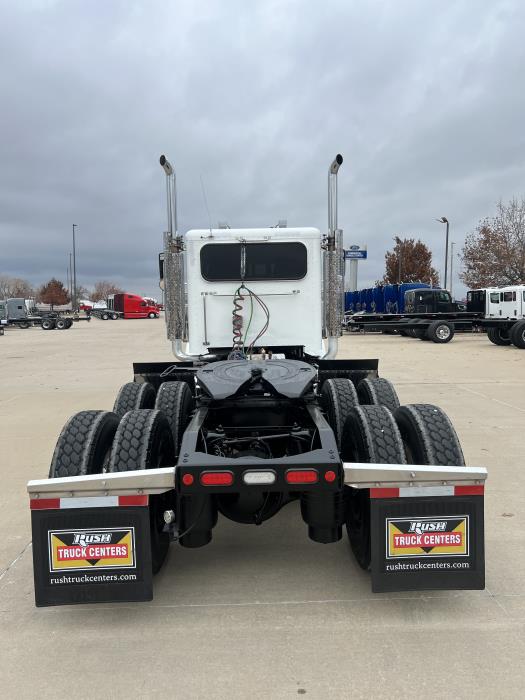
[(333, 267), (174, 287)]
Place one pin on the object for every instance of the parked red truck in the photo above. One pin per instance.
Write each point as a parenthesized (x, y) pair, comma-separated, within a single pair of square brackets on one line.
[(132, 306)]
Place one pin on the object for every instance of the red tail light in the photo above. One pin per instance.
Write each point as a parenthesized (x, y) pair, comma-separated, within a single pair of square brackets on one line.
[(302, 476), (330, 476), (217, 478)]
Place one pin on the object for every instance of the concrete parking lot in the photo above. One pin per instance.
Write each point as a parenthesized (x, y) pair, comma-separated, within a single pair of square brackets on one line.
[(264, 612)]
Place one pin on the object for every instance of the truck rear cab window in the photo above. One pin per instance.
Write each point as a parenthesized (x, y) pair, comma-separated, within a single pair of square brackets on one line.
[(494, 297), (507, 296), (221, 262)]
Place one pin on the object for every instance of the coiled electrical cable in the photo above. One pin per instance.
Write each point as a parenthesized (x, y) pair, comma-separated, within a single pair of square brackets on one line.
[(237, 321), (239, 350)]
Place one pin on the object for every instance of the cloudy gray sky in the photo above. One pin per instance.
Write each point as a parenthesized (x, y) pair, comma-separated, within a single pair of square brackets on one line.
[(424, 99)]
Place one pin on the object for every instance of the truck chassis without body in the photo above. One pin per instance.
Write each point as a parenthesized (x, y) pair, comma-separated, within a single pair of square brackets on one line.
[(240, 431)]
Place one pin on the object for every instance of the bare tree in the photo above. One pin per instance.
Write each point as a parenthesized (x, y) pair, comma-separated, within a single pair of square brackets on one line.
[(103, 289), (409, 261), (15, 287), (83, 292), (494, 254)]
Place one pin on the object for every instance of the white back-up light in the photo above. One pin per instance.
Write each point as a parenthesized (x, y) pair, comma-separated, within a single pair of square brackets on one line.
[(266, 477)]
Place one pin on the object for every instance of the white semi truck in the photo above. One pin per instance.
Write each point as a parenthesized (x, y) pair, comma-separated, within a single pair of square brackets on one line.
[(503, 313), (255, 413)]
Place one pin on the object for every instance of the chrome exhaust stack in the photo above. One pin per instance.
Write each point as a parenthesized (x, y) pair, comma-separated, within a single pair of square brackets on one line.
[(174, 287), (333, 268)]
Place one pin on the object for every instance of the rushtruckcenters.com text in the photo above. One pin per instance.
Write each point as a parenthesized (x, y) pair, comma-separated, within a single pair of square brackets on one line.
[(416, 566), (93, 578)]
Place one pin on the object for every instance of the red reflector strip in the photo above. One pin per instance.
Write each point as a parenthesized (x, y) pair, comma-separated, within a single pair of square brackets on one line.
[(466, 490), (470, 490), (87, 502), (384, 493), (133, 500), (216, 478), (44, 503), (301, 476)]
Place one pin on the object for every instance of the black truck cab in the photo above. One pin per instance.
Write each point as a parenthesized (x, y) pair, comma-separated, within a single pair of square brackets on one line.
[(429, 301)]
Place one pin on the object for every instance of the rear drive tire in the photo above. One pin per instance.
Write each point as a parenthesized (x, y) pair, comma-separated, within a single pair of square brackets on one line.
[(429, 436), (440, 332), (104, 316), (84, 444), (60, 324), (69, 322), (114, 316), (133, 396), (499, 336), (144, 441), (354, 375), (517, 335), (48, 324), (175, 400), (370, 435), (338, 396), (378, 392)]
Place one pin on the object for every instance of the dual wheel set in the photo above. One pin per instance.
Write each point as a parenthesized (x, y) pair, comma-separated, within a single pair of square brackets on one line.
[(144, 431), (515, 335), (437, 332), (370, 426), (48, 324), (61, 324), (106, 315)]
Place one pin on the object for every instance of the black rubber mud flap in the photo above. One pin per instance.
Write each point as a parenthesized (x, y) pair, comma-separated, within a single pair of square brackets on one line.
[(91, 554), (427, 542)]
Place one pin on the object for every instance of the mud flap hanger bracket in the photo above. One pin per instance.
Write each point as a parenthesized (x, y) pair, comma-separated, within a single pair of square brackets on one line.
[(155, 481), (364, 476)]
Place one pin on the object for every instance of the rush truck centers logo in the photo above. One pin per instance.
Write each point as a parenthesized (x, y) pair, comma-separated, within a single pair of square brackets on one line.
[(423, 537), (104, 548)]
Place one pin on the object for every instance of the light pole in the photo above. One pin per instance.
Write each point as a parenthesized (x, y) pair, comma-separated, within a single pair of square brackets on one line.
[(452, 267), (74, 300), (444, 220), (399, 262), (70, 285)]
